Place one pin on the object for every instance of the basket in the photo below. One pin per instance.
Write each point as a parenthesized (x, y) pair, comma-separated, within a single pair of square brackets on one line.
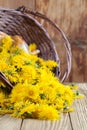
[(20, 22)]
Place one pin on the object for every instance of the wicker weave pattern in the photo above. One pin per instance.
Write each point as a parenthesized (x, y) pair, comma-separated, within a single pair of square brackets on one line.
[(19, 22)]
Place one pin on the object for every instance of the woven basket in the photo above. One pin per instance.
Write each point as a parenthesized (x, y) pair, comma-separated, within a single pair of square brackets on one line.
[(20, 22)]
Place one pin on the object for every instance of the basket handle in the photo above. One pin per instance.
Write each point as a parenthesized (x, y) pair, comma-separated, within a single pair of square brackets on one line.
[(23, 9), (6, 81)]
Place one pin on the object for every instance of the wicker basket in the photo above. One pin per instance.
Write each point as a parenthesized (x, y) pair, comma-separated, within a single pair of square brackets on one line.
[(20, 22)]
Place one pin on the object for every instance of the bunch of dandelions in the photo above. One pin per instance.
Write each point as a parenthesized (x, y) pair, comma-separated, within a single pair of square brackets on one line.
[(37, 92)]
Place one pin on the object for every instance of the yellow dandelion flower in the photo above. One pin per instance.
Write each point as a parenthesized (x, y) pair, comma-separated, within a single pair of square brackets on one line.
[(2, 96), (47, 113), (28, 109), (31, 92), (7, 42), (3, 65), (32, 47), (51, 64)]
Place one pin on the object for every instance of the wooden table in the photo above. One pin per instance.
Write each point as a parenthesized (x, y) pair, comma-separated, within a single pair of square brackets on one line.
[(76, 120)]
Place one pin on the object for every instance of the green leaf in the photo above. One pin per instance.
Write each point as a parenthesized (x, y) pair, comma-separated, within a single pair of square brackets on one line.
[(42, 96)]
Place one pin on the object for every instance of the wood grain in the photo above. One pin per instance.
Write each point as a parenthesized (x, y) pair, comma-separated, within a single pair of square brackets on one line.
[(85, 75), (78, 67), (79, 116), (47, 125), (70, 16), (66, 13), (9, 123), (14, 4)]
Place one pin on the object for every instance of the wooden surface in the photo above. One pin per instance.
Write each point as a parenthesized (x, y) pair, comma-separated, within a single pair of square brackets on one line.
[(76, 120), (71, 16)]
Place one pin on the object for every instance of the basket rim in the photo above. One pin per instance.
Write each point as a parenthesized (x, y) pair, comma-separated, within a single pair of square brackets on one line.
[(11, 11)]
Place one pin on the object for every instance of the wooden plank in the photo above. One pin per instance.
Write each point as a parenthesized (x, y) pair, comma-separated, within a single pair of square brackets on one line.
[(17, 3), (78, 64), (68, 15), (85, 75), (1, 116), (9, 123), (63, 124), (79, 116)]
